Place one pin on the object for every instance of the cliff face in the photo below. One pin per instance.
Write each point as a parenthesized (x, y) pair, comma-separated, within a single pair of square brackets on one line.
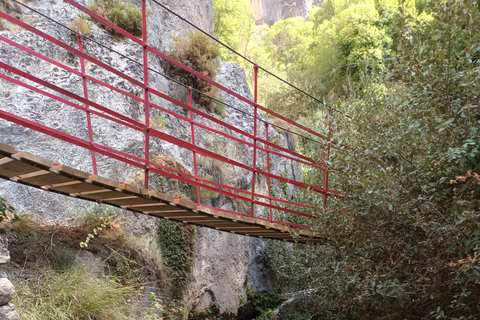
[(221, 261), (271, 11)]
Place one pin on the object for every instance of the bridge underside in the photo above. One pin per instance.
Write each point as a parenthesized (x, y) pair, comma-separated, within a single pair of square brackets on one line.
[(35, 171)]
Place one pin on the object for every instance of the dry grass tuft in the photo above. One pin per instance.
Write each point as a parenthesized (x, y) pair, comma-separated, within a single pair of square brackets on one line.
[(200, 53)]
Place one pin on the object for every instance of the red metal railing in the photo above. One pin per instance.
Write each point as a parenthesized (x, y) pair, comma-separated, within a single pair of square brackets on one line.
[(254, 142)]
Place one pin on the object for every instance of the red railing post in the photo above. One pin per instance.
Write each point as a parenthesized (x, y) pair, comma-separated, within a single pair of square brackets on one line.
[(254, 165), (145, 81), (268, 178), (325, 171), (192, 126), (85, 94)]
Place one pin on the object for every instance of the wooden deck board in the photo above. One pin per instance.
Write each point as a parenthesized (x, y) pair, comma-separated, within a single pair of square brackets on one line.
[(43, 178), (29, 169)]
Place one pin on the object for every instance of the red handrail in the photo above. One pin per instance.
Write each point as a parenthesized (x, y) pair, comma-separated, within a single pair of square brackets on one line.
[(252, 141)]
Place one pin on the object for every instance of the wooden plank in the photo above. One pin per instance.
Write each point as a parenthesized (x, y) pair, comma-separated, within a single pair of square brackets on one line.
[(104, 182), (43, 178), (6, 150), (185, 204), (74, 187), (161, 196), (271, 235), (102, 194), (156, 207), (71, 172), (34, 160), (11, 168), (133, 189), (175, 213), (128, 201)]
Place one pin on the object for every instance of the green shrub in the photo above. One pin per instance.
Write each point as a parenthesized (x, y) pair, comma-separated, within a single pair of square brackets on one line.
[(120, 13), (81, 25), (199, 52), (71, 295), (264, 303)]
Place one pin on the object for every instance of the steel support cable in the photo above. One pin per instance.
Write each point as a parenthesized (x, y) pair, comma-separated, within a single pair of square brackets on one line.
[(158, 72), (250, 61)]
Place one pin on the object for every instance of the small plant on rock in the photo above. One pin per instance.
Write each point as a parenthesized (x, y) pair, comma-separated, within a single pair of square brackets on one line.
[(1, 20), (198, 52), (5, 208), (120, 13), (81, 25)]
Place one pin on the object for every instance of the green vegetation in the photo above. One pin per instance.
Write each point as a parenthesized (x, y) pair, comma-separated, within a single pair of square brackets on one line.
[(120, 13), (220, 107), (5, 209), (81, 25), (263, 302), (198, 52), (206, 194), (407, 73), (1, 20), (176, 244), (158, 122), (74, 294), (233, 25)]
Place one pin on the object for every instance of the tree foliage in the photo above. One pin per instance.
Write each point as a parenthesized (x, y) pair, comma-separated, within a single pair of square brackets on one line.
[(407, 73)]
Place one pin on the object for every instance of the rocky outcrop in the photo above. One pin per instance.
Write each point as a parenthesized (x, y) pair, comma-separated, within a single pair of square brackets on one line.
[(221, 261), (7, 290), (271, 11)]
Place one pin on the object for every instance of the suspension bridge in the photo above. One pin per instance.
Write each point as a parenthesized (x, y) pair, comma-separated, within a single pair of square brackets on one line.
[(269, 216)]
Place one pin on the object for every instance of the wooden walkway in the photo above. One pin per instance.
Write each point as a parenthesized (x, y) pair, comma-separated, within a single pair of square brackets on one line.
[(35, 171)]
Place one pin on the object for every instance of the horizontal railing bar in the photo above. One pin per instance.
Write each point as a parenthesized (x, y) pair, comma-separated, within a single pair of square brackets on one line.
[(154, 132), (182, 66), (112, 153)]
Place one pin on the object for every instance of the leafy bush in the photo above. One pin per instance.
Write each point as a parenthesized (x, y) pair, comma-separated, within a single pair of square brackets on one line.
[(200, 53), (81, 25), (120, 13), (409, 246), (264, 302), (74, 294)]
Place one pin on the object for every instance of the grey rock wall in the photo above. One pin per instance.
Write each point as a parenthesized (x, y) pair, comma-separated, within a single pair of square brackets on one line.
[(221, 261), (271, 11), (7, 290)]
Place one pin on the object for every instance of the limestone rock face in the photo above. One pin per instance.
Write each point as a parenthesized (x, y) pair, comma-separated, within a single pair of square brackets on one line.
[(221, 260), (271, 11), (4, 253), (6, 291), (7, 312)]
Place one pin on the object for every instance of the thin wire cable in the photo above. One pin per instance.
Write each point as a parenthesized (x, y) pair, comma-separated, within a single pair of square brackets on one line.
[(158, 72), (250, 61)]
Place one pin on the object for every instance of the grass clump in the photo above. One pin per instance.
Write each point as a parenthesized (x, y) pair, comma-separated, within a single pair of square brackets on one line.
[(158, 122), (220, 107), (199, 52), (120, 13), (74, 294), (81, 25)]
